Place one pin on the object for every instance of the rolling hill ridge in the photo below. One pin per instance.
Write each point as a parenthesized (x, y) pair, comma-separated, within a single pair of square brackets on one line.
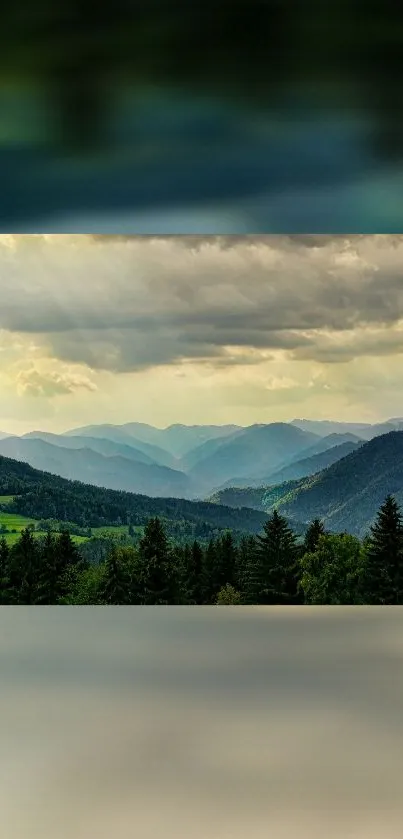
[(191, 462), (89, 466), (348, 494), (41, 495)]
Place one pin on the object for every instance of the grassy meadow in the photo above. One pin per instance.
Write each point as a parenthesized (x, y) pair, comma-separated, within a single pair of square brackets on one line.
[(17, 523)]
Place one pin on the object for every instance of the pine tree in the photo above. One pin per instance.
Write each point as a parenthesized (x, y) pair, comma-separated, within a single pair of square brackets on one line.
[(4, 563), (181, 565), (158, 581), (312, 536), (209, 584), (382, 581), (67, 552), (129, 556), (245, 553), (23, 570), (226, 561), (115, 587), (49, 584), (69, 565), (194, 565), (273, 571)]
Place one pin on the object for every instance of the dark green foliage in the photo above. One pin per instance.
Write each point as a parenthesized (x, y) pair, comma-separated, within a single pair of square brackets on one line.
[(228, 596), (209, 583), (245, 552), (383, 571), (46, 525), (115, 586), (273, 572), (158, 582), (69, 562), (194, 563), (226, 561), (332, 573), (86, 589), (269, 569), (39, 572), (43, 496), (312, 536), (240, 497), (130, 557), (4, 566), (181, 564), (23, 571), (68, 554), (50, 587)]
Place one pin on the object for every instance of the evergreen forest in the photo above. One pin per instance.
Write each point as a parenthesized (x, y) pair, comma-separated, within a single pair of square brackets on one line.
[(272, 567)]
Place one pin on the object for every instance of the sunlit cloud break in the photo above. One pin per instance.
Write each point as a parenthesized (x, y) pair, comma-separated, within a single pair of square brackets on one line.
[(123, 317)]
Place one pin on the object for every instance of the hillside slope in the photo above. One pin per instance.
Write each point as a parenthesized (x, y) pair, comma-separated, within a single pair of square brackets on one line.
[(329, 442), (89, 466), (255, 451), (251, 497), (316, 463), (349, 493), (321, 444), (41, 495), (256, 498), (205, 450)]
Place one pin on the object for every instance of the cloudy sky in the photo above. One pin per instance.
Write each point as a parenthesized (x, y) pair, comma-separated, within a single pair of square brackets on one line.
[(202, 329)]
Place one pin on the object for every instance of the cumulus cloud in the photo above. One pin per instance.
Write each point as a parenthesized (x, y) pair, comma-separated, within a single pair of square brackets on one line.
[(122, 303), (33, 382)]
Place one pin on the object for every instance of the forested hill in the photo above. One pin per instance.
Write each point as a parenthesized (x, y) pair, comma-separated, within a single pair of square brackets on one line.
[(44, 496), (347, 495)]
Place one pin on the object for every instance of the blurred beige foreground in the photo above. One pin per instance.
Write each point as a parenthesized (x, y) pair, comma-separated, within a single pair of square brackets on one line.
[(201, 722)]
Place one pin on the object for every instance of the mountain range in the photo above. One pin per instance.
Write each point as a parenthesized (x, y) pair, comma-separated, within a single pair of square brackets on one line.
[(346, 495), (113, 471), (193, 462), (337, 476), (365, 430)]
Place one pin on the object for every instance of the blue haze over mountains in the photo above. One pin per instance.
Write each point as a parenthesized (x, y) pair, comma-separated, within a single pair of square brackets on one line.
[(192, 461)]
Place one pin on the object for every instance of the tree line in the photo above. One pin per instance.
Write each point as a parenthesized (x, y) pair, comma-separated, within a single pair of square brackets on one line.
[(268, 569)]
